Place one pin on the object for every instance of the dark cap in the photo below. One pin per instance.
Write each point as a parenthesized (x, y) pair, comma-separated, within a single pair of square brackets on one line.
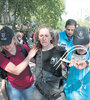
[(81, 36), (6, 35)]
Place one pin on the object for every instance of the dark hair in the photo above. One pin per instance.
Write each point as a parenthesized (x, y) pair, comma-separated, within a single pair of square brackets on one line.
[(70, 22), (52, 33)]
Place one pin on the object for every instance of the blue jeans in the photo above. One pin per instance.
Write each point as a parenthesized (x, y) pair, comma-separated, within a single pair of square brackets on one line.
[(18, 94)]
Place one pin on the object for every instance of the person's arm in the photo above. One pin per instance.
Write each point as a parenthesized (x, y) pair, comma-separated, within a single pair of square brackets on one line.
[(12, 68)]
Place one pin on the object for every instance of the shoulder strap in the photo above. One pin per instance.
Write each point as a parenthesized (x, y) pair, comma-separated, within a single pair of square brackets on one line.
[(4, 54), (24, 51), (38, 69)]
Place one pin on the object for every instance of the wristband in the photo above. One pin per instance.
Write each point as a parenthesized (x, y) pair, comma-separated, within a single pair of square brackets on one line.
[(87, 63)]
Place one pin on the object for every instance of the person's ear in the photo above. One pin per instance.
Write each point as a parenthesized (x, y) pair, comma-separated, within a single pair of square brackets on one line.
[(14, 39)]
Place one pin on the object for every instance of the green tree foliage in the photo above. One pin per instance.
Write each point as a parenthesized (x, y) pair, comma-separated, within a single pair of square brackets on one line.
[(2, 3), (49, 11), (84, 23), (41, 11)]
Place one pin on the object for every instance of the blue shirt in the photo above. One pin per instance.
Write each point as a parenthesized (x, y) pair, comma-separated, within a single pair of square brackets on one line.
[(63, 40), (77, 86)]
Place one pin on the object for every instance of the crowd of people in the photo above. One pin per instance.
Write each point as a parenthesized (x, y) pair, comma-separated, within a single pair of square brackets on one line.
[(71, 53)]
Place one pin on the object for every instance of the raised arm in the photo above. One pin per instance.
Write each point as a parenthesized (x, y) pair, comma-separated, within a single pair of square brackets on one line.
[(12, 68)]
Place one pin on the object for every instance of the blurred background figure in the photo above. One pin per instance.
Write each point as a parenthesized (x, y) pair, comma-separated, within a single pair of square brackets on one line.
[(66, 37), (22, 38)]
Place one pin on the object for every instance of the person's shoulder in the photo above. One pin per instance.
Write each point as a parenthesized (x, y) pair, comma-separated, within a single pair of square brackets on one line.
[(1, 54), (3, 60), (63, 32), (60, 48), (26, 47)]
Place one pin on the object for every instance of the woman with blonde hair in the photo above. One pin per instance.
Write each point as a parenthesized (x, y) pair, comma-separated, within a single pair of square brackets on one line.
[(20, 80)]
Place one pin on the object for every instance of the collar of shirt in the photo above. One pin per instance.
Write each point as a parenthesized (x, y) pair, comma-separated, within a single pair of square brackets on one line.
[(18, 49)]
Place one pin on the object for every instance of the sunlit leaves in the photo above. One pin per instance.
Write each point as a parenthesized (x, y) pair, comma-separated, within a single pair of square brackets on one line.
[(41, 11)]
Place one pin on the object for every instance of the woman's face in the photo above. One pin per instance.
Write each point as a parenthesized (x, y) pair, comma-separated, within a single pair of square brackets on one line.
[(44, 37), (10, 47)]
